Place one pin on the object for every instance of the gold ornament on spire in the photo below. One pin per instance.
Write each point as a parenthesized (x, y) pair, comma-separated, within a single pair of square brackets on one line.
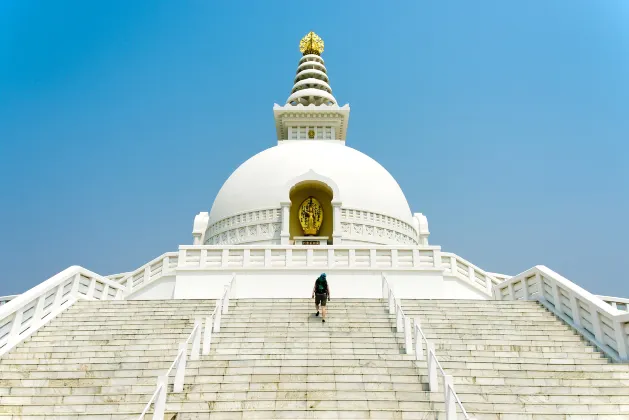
[(311, 44)]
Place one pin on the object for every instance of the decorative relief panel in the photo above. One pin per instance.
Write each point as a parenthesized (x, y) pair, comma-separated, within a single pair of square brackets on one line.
[(246, 227), (376, 227)]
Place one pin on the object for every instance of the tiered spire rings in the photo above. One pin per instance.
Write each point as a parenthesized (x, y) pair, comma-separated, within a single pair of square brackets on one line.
[(311, 83)]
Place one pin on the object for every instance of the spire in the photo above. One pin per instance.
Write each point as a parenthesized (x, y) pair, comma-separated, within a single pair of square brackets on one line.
[(311, 111), (311, 85)]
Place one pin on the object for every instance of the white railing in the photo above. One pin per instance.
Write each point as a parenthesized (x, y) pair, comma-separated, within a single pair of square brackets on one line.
[(215, 257), (164, 265), (621, 304), (6, 299), (29, 311), (158, 399), (468, 272), (603, 325), (403, 324), (200, 345), (116, 277), (500, 277)]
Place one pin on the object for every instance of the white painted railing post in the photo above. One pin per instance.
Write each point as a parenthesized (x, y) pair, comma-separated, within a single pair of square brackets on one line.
[(621, 340), (448, 385), (596, 323), (91, 288), (160, 402), (408, 335), (217, 317), (432, 368), (16, 327), (576, 310), (557, 298), (207, 336), (384, 287), (196, 340), (399, 322), (226, 300), (419, 342), (180, 373), (391, 302)]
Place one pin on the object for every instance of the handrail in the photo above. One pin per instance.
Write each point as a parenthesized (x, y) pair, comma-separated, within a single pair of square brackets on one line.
[(212, 324), (603, 325), (622, 304), (146, 274), (153, 398), (403, 323), (6, 299), (25, 314), (466, 271)]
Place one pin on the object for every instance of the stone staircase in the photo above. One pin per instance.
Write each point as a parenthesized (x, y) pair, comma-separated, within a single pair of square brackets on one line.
[(515, 360), (99, 359), (273, 359)]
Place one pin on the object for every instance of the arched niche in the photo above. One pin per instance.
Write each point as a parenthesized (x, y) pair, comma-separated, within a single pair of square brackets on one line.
[(324, 194)]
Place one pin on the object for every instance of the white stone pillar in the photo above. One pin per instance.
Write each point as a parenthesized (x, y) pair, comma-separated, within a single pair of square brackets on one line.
[(285, 233), (337, 234)]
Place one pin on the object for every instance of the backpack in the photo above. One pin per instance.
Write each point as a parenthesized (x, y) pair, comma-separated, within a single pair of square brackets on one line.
[(322, 286)]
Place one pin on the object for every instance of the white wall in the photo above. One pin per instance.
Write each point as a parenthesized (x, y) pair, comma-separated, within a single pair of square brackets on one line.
[(159, 289), (284, 283)]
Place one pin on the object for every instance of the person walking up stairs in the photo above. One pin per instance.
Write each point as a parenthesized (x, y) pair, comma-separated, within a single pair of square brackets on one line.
[(321, 294)]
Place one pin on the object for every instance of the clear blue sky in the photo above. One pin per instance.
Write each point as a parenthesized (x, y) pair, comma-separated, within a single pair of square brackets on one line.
[(505, 122)]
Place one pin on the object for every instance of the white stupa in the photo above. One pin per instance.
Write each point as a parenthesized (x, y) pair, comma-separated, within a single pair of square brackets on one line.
[(224, 328)]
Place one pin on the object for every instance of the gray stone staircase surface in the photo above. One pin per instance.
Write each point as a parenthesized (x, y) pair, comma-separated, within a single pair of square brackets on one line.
[(273, 359), (516, 360)]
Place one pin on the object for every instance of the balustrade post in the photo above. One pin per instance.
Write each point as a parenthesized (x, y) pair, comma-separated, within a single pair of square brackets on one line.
[(225, 257), (596, 324), (217, 316), (196, 340), (557, 298), (105, 295), (384, 287), (226, 300), (448, 385), (391, 303), (399, 322), (166, 264), (91, 288), (39, 308), (419, 342), (207, 336), (621, 340), (394, 258), (147, 274), (202, 259), (159, 406), (453, 266), (180, 373), (525, 288), (408, 335), (75, 287), (576, 310), (433, 385), (16, 327), (436, 258)]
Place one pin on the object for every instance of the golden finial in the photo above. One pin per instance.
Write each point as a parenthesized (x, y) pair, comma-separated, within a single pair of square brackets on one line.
[(311, 44)]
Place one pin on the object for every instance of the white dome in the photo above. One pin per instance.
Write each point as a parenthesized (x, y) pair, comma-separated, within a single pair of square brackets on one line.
[(263, 181)]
